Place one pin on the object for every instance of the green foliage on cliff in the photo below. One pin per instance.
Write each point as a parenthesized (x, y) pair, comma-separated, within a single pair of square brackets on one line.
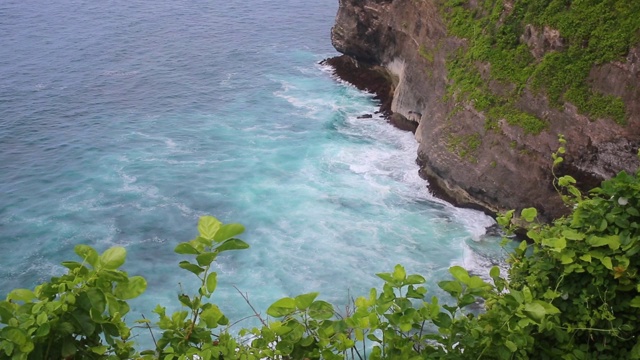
[(572, 293), (465, 146), (591, 32)]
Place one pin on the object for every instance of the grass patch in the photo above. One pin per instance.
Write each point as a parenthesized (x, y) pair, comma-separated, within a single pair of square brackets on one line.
[(465, 146), (594, 32)]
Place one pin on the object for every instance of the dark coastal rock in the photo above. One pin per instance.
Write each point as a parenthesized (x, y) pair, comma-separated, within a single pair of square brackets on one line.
[(365, 116), (366, 77), (402, 123), (400, 50)]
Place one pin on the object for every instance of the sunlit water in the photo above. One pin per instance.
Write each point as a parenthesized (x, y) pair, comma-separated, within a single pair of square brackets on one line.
[(123, 122)]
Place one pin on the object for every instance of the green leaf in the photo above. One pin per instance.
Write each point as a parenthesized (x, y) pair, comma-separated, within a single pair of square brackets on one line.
[(571, 234), (116, 305), (476, 282), (201, 241), (566, 180), (386, 277), (97, 300), (205, 259), (232, 244), (208, 226), (41, 318), (603, 225), (529, 214), (280, 329), (468, 299), (305, 300), (460, 273), (282, 307), (454, 288), (635, 302), (285, 347), (21, 295), (71, 265), (191, 267), (558, 244), (321, 310), (526, 293), (494, 272), (185, 300), (405, 326), (566, 259), (83, 322), (228, 231), (523, 244), (632, 211), (416, 293), (212, 316), (131, 289), (113, 258), (557, 160), (399, 274), (415, 279), (504, 220), (6, 311), (606, 261), (212, 282), (100, 350), (442, 320), (14, 334), (535, 311), (186, 249), (43, 330), (511, 346), (113, 275), (87, 253), (574, 191), (613, 241), (68, 348)]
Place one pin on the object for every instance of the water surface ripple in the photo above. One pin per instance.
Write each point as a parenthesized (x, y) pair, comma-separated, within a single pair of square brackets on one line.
[(123, 122)]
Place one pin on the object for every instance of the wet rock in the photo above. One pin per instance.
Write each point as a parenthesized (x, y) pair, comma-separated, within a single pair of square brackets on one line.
[(399, 51)]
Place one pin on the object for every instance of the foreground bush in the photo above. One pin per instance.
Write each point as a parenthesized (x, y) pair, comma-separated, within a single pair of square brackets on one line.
[(572, 293)]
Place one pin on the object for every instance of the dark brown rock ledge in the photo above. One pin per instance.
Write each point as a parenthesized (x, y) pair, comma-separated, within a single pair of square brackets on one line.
[(373, 79)]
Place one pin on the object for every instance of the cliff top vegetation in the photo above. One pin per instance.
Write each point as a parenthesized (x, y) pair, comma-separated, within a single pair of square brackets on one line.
[(549, 46)]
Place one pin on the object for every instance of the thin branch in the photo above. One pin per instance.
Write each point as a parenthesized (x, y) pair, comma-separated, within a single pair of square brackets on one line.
[(150, 332), (246, 299), (241, 320)]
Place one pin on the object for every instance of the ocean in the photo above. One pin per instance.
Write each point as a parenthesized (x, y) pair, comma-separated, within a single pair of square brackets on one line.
[(122, 122)]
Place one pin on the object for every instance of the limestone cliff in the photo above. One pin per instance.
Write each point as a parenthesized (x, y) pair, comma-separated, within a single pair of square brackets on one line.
[(473, 156)]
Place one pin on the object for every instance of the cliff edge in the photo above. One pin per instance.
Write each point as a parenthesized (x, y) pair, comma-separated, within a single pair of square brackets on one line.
[(491, 85)]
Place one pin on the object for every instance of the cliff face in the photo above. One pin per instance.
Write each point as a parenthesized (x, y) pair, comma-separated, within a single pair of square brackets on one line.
[(467, 157)]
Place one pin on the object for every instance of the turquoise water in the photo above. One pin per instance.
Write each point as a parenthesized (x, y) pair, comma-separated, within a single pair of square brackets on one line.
[(121, 123)]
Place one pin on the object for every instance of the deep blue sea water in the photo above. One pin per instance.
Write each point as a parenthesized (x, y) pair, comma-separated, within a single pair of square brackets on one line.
[(122, 122)]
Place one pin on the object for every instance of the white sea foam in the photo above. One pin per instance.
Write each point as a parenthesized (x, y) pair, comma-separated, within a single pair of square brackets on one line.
[(328, 199), (119, 73)]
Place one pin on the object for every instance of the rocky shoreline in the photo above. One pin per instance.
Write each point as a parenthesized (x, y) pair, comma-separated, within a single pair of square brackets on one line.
[(373, 79), (377, 80), (400, 51)]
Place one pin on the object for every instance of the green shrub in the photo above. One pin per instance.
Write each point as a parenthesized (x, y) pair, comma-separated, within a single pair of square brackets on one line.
[(594, 31), (573, 293)]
